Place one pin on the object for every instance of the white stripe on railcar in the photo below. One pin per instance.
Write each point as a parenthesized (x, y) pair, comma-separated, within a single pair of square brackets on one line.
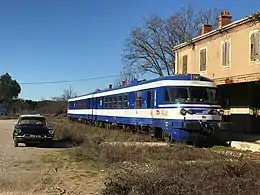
[(168, 113), (188, 105), (155, 84)]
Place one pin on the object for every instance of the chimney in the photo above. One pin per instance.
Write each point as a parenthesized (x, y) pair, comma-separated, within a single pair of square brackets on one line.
[(110, 86), (123, 83), (224, 18), (206, 28)]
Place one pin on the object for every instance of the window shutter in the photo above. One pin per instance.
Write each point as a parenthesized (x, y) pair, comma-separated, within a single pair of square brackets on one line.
[(203, 60), (184, 64), (201, 55), (252, 47), (223, 53), (227, 52), (256, 45)]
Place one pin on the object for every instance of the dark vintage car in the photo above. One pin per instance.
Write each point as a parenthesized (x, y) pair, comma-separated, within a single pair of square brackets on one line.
[(32, 129)]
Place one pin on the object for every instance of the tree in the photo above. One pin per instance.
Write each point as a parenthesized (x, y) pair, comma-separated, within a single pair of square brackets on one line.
[(67, 94), (9, 88), (127, 74), (149, 48)]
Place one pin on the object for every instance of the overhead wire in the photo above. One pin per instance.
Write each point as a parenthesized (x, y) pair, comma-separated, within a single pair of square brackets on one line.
[(68, 81)]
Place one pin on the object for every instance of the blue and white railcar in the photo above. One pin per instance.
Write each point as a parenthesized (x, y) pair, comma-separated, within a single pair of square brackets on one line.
[(184, 106)]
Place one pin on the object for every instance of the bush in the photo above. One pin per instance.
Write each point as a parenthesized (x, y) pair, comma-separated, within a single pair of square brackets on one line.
[(93, 147), (92, 150), (76, 132), (219, 177)]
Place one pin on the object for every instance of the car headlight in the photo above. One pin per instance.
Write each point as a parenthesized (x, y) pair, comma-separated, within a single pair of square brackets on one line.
[(17, 130), (51, 131)]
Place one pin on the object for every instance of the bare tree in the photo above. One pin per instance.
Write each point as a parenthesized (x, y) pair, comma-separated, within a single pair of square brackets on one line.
[(149, 48), (67, 94), (127, 74)]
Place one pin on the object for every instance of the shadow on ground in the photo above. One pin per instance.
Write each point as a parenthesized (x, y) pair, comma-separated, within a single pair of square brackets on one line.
[(224, 138), (53, 144)]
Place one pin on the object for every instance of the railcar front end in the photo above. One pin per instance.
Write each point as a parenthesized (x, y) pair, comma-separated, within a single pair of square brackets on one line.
[(190, 113)]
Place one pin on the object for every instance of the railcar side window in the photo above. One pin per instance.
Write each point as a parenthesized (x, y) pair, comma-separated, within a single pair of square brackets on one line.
[(83, 104), (115, 101), (149, 99), (110, 102), (166, 95), (190, 94), (105, 102), (125, 101), (120, 101), (199, 94), (177, 94), (88, 103), (139, 99), (212, 95)]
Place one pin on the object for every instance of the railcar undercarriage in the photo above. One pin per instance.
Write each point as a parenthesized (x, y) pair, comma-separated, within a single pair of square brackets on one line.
[(195, 133)]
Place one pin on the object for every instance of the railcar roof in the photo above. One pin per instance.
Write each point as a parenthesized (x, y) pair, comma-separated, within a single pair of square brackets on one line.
[(187, 77)]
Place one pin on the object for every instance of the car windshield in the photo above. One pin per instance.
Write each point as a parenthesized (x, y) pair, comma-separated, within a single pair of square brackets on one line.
[(32, 121), (190, 95)]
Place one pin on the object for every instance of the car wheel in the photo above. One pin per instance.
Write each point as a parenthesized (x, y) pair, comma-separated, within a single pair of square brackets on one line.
[(15, 143)]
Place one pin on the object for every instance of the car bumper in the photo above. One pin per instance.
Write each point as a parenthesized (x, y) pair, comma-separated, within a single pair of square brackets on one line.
[(32, 139)]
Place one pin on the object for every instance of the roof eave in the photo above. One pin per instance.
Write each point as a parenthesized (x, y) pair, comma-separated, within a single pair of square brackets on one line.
[(211, 33)]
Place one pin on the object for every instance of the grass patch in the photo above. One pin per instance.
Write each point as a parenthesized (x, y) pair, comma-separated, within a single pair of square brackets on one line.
[(153, 170), (78, 133), (239, 177), (8, 117)]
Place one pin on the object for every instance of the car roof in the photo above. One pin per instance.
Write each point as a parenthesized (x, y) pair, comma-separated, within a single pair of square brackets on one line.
[(32, 115)]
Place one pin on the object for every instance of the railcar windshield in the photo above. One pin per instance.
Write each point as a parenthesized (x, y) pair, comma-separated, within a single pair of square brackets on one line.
[(190, 95)]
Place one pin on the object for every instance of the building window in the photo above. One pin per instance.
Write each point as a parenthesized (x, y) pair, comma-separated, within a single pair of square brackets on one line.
[(255, 46), (203, 59), (184, 64), (225, 53)]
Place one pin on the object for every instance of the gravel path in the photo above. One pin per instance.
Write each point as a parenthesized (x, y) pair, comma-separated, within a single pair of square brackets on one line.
[(12, 175), (21, 171)]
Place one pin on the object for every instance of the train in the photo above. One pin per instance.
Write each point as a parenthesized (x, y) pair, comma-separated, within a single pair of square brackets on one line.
[(179, 108)]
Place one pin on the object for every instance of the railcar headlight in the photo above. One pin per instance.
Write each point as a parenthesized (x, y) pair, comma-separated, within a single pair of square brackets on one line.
[(221, 112), (183, 111)]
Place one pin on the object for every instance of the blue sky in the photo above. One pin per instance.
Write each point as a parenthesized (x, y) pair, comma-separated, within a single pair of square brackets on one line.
[(49, 40)]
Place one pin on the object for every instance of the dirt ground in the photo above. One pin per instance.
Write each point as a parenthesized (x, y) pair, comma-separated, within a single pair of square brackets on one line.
[(32, 170)]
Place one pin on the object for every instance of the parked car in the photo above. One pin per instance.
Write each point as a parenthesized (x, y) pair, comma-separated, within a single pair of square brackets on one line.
[(32, 129)]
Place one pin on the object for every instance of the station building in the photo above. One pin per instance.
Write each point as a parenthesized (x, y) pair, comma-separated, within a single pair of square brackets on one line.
[(230, 56)]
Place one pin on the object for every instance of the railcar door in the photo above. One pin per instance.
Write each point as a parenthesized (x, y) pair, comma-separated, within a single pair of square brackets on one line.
[(149, 105), (95, 102)]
